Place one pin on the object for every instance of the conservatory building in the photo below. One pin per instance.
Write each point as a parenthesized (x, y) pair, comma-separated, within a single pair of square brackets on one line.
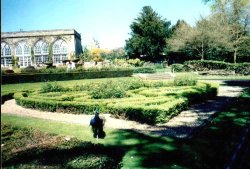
[(38, 47)]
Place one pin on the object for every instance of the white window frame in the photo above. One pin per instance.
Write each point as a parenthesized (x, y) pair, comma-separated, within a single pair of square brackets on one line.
[(60, 51), (41, 52), (6, 58), (23, 52)]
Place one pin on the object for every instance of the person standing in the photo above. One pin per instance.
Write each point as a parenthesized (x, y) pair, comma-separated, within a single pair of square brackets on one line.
[(97, 124)]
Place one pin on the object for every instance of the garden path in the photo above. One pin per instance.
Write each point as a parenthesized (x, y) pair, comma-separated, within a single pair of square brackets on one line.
[(183, 125)]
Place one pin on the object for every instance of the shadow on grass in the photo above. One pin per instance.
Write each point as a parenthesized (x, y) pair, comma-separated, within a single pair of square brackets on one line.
[(212, 147), (244, 83), (71, 154)]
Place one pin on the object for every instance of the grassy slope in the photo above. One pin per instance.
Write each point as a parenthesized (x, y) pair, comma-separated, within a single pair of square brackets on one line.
[(211, 148)]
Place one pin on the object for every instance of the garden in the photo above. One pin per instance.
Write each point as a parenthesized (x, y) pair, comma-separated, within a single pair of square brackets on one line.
[(130, 98), (31, 142)]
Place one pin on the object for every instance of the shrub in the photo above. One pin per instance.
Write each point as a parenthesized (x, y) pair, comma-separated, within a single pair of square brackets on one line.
[(205, 65), (52, 87), (185, 80), (29, 69), (106, 90), (178, 68), (7, 71), (144, 70), (135, 62), (6, 96)]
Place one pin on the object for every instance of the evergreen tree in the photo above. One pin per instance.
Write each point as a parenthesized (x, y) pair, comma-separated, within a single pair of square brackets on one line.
[(148, 36)]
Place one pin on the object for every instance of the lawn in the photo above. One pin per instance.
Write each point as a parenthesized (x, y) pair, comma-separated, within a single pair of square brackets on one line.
[(212, 147)]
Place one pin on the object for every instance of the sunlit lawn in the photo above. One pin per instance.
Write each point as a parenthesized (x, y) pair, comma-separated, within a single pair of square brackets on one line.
[(211, 148)]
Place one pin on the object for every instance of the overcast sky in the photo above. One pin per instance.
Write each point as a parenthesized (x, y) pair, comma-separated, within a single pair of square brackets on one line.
[(107, 21)]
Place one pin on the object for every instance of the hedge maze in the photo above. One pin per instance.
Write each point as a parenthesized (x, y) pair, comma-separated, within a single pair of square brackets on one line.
[(143, 101)]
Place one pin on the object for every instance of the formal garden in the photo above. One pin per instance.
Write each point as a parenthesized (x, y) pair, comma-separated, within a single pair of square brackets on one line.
[(32, 142)]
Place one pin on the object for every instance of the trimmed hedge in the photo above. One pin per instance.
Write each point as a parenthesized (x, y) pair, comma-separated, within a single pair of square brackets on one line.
[(205, 65), (140, 106), (6, 96), (42, 77), (144, 70)]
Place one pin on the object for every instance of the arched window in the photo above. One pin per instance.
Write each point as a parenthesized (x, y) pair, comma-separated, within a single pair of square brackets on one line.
[(6, 60), (23, 52), (41, 52), (59, 51)]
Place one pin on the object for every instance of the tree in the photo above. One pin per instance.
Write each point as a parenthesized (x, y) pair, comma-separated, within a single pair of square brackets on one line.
[(235, 14), (86, 55), (148, 35), (203, 40)]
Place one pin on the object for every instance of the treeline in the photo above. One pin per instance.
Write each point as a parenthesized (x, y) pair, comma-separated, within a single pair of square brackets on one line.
[(222, 36)]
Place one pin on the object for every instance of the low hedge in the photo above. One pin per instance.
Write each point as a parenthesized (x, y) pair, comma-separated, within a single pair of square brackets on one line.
[(143, 109), (144, 70), (6, 96), (205, 65), (42, 77), (148, 114)]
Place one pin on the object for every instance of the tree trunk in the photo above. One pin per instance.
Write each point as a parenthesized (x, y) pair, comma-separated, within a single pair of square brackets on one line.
[(202, 50), (235, 55)]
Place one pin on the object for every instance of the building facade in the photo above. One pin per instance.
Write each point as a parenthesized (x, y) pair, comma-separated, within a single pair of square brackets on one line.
[(27, 48)]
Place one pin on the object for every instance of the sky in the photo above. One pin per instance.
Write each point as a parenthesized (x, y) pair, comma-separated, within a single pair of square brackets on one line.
[(108, 21)]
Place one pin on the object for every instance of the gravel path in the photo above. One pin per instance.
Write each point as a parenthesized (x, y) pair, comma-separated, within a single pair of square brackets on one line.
[(183, 125)]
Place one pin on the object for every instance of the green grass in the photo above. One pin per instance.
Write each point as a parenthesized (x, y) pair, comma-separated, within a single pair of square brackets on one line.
[(212, 147), (34, 86)]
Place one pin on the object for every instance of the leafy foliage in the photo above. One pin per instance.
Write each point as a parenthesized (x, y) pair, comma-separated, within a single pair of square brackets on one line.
[(148, 35), (185, 80), (52, 87), (240, 68), (108, 89)]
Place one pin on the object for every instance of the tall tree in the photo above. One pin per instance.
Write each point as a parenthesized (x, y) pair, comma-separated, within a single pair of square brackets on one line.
[(148, 35), (235, 14), (205, 38)]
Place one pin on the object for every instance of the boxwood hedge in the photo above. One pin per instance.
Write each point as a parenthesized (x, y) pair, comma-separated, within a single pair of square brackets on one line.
[(204, 65), (42, 77), (139, 104)]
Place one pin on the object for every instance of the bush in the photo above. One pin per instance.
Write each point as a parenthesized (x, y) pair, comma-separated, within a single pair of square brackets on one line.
[(205, 65), (106, 90), (7, 71), (178, 68), (29, 69), (185, 80), (6, 96), (144, 70), (135, 62), (52, 87)]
